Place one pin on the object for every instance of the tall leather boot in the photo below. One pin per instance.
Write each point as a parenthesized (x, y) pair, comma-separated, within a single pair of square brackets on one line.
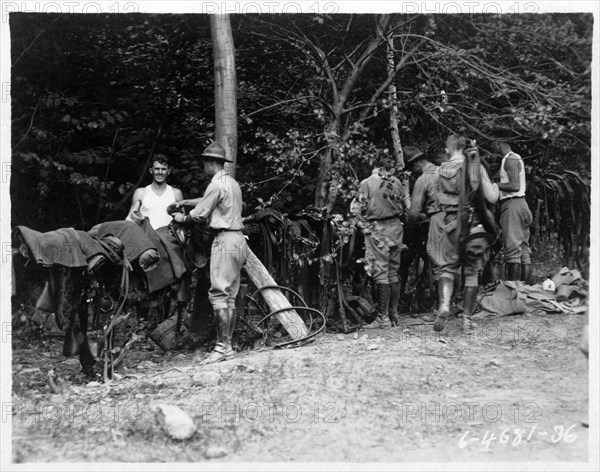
[(223, 350), (374, 294), (469, 298), (383, 302), (513, 271), (526, 270), (445, 289), (394, 300), (230, 329)]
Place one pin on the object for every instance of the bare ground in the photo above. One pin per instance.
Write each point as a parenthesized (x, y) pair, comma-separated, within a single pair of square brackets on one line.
[(516, 390)]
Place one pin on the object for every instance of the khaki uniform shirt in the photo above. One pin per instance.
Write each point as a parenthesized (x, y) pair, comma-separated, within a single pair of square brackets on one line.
[(221, 204), (380, 198)]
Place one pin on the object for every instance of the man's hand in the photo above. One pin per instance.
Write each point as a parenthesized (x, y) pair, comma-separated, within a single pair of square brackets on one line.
[(175, 207), (179, 217)]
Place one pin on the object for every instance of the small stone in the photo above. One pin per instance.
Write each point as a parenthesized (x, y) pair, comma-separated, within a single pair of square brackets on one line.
[(355, 336), (206, 379), (493, 363), (340, 337), (174, 421), (246, 368), (139, 395), (372, 347), (215, 452), (442, 340), (364, 336), (93, 383)]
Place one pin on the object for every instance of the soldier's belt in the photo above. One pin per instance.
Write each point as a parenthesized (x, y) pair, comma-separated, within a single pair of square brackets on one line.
[(383, 219), (511, 198)]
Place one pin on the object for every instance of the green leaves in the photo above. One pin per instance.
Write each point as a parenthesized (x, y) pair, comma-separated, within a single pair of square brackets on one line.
[(92, 93)]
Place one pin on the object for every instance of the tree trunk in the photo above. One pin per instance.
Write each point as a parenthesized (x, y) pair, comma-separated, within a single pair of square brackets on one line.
[(226, 135), (225, 87), (322, 197), (393, 97)]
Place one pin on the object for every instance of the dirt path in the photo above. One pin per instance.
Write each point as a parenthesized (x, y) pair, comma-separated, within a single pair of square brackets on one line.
[(515, 391)]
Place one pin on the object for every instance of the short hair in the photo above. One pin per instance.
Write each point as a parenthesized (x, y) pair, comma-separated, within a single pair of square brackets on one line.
[(501, 146), (436, 149), (456, 142), (161, 159)]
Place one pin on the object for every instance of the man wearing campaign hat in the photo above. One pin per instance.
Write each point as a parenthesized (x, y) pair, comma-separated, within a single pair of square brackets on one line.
[(425, 211), (221, 209)]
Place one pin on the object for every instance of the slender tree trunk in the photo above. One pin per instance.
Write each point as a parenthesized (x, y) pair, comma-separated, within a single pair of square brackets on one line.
[(322, 196), (393, 97), (225, 87)]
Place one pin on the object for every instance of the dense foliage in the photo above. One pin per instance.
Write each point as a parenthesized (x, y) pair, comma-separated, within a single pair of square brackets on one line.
[(94, 96)]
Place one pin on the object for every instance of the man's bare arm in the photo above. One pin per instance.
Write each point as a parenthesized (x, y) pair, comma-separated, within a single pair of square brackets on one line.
[(190, 202), (490, 190), (416, 206), (136, 201), (512, 168), (177, 194)]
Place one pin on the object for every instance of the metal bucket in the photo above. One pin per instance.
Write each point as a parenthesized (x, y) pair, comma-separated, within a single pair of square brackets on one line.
[(362, 308), (165, 334)]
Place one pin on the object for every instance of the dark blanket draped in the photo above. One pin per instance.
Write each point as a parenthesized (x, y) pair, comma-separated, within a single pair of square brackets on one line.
[(61, 247)]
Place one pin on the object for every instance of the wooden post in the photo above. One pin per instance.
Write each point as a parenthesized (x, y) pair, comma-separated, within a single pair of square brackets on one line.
[(259, 275)]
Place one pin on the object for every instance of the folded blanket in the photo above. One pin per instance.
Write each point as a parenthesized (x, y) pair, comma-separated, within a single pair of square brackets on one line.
[(173, 250), (162, 275), (135, 240), (514, 297), (61, 246)]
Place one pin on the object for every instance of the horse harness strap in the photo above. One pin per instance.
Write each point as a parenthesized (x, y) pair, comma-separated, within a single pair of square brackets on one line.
[(386, 218)]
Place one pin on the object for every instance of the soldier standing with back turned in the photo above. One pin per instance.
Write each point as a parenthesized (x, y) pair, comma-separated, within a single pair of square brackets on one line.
[(448, 258), (382, 199), (516, 218)]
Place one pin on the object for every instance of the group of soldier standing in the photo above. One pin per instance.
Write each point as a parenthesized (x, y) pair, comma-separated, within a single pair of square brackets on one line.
[(382, 200), (461, 228)]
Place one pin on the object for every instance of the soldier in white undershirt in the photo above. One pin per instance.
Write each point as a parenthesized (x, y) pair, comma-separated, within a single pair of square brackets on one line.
[(152, 201), (516, 216)]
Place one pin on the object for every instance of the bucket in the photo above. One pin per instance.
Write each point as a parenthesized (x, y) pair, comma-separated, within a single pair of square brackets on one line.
[(165, 333), (362, 308)]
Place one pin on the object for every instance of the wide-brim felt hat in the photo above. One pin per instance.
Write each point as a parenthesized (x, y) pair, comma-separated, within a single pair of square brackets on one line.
[(215, 151), (411, 153), (479, 231)]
